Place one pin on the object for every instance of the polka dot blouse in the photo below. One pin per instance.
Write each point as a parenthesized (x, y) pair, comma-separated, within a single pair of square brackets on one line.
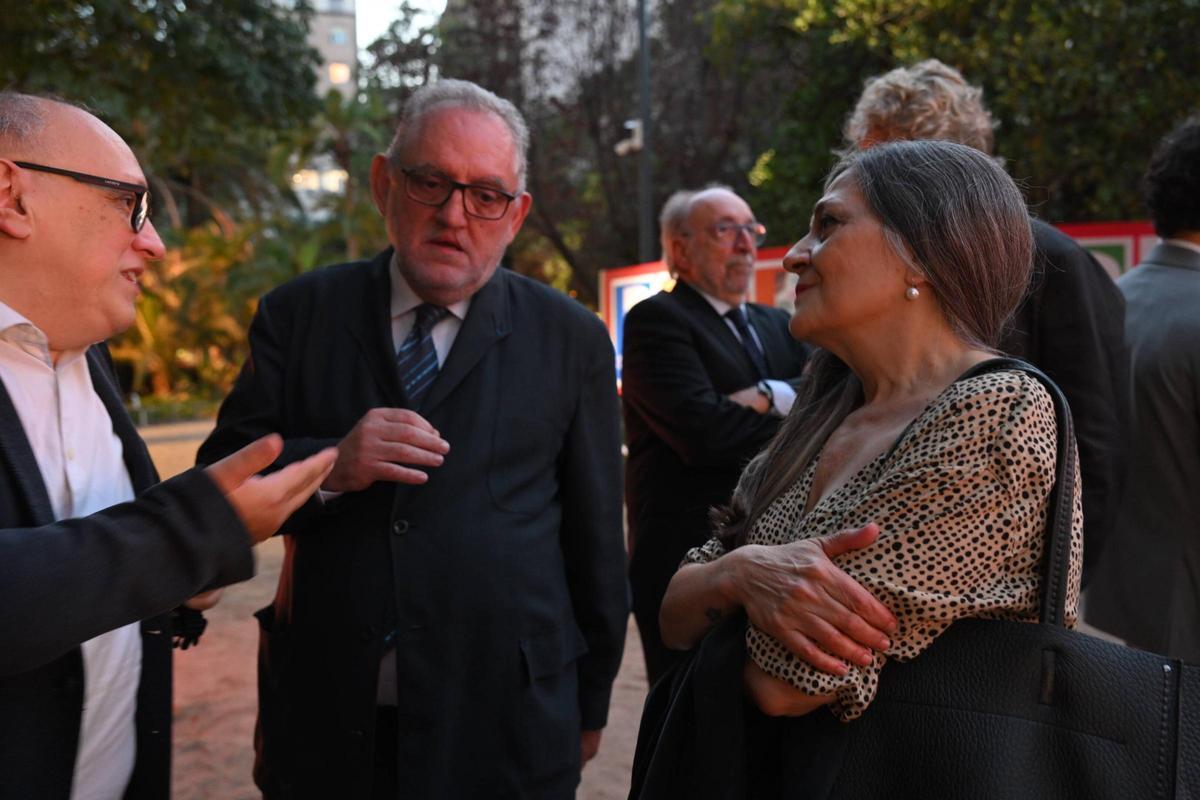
[(961, 506)]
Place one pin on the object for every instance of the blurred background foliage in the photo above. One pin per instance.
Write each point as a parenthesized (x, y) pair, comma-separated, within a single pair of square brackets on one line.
[(217, 98)]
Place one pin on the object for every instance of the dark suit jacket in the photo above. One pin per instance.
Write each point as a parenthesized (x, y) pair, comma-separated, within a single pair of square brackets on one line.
[(62, 583), (503, 575), (1071, 325), (687, 441), (1147, 586)]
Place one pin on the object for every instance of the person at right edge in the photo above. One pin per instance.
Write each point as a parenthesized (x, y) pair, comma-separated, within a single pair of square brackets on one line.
[(1147, 588), (1071, 323)]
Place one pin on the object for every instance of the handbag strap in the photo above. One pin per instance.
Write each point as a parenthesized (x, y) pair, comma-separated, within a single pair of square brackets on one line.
[(1056, 547)]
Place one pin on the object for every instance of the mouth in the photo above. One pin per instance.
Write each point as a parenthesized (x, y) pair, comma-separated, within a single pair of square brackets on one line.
[(802, 288), (446, 243), (132, 274)]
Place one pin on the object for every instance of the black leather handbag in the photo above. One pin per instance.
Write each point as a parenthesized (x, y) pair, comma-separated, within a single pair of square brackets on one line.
[(999, 709), (992, 709)]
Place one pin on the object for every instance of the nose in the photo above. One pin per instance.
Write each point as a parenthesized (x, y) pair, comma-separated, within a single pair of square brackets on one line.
[(453, 212), (798, 257), (148, 244)]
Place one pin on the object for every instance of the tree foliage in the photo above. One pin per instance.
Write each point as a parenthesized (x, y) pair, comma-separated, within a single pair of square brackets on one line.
[(1082, 91)]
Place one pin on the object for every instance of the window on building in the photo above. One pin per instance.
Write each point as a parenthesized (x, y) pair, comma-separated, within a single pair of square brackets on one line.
[(337, 36), (339, 72)]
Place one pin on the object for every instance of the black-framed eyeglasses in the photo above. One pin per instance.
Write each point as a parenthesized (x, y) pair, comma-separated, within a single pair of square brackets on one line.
[(727, 232), (141, 194), (432, 189)]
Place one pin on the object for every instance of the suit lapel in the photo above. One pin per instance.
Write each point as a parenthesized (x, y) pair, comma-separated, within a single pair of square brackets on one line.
[(700, 309), (137, 458), (18, 457), (487, 322), (373, 330)]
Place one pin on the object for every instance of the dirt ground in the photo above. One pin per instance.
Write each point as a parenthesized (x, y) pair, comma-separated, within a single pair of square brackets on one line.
[(215, 682)]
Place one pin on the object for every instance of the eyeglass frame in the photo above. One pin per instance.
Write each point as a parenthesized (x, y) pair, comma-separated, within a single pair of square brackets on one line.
[(141, 206), (509, 197), (755, 230)]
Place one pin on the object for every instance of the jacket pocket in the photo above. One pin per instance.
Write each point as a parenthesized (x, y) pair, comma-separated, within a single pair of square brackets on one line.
[(548, 727)]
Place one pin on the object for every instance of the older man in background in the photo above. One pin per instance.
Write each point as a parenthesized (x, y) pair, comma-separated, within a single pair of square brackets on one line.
[(706, 379)]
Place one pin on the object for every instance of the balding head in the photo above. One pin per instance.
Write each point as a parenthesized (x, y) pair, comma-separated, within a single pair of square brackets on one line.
[(712, 250), (69, 255)]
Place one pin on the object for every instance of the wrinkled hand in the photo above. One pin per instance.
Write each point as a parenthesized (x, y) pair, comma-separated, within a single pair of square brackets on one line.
[(379, 443), (795, 593), (204, 601), (589, 745), (776, 698), (751, 398), (263, 502)]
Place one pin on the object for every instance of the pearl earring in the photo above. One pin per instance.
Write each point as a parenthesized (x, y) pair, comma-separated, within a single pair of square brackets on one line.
[(912, 293)]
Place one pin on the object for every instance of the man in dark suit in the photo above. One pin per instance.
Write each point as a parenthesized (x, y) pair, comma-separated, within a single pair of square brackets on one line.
[(1071, 323), (1147, 587), (451, 612), (705, 380), (87, 572)]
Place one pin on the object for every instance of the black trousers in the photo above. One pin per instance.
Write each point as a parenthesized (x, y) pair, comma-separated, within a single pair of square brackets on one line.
[(384, 780)]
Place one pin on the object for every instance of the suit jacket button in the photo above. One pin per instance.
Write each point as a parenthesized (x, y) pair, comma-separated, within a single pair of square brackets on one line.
[(400, 527)]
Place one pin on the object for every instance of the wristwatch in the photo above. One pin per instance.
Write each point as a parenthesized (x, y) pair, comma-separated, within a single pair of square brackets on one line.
[(766, 391)]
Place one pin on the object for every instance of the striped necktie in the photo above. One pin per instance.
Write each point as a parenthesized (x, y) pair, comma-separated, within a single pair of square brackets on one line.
[(416, 359)]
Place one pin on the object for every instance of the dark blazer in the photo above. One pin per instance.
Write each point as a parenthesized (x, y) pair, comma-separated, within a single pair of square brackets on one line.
[(502, 575), (1147, 586), (687, 441), (62, 583), (1071, 325)]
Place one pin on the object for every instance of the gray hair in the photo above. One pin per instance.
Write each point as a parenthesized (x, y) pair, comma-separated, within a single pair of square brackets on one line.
[(21, 117), (929, 100), (671, 221), (956, 216), (452, 93)]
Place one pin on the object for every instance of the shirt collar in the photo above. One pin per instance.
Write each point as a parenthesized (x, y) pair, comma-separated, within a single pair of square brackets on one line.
[(1195, 248), (719, 305), (404, 299), (16, 329)]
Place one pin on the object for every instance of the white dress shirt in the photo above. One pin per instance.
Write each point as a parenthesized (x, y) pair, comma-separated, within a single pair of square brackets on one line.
[(80, 460), (404, 316), (783, 395)]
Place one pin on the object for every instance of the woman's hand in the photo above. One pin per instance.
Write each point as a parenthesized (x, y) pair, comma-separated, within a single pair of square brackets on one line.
[(774, 697), (796, 594)]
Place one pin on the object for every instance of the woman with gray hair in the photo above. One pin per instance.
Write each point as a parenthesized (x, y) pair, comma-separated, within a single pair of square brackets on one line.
[(908, 463)]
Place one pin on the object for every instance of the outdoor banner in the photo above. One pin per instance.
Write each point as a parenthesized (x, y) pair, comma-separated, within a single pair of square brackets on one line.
[(1118, 246)]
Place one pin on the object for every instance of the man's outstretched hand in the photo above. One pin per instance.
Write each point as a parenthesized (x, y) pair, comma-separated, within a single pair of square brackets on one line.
[(263, 502)]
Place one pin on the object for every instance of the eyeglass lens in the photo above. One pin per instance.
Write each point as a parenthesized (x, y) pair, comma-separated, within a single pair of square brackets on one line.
[(478, 201)]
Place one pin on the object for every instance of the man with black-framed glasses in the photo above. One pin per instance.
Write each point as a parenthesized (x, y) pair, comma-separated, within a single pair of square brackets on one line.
[(706, 378), (93, 550), (451, 612)]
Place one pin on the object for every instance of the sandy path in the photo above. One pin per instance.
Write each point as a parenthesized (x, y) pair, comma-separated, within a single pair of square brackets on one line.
[(215, 682)]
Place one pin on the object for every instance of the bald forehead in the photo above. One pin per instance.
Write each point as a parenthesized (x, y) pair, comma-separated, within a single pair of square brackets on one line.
[(715, 204), (72, 138)]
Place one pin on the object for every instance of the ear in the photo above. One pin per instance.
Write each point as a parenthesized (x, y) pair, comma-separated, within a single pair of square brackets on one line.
[(381, 182), (15, 221), (680, 258), (521, 207)]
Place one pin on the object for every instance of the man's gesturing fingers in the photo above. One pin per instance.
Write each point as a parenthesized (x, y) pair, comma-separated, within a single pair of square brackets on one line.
[(233, 470), (263, 502)]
